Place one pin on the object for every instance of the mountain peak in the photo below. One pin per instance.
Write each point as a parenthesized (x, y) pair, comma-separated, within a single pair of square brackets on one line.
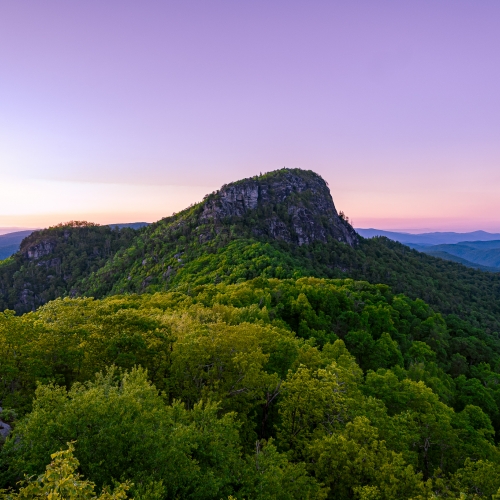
[(293, 205)]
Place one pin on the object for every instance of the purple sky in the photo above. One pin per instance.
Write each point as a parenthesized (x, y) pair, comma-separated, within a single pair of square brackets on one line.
[(123, 110)]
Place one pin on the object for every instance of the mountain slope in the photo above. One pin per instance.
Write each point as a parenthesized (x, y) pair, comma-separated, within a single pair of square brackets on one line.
[(447, 286), (277, 217), (283, 224), (50, 262), (187, 250)]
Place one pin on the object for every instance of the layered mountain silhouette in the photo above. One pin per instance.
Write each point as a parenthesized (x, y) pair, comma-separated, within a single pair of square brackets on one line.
[(480, 251), (283, 224), (480, 254), (430, 239)]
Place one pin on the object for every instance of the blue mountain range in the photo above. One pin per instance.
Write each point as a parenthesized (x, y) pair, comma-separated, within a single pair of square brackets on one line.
[(477, 249)]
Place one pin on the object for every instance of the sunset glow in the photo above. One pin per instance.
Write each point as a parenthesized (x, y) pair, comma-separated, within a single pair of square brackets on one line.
[(128, 111)]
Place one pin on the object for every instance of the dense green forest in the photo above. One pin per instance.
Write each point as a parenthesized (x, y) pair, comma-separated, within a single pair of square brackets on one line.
[(247, 353), (306, 388)]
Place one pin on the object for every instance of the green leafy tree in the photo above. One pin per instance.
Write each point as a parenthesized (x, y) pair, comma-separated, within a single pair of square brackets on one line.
[(124, 429), (385, 353), (62, 481), (269, 475), (315, 402), (353, 461)]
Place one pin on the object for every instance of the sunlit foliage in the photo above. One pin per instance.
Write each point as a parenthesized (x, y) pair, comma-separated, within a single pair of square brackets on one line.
[(269, 388)]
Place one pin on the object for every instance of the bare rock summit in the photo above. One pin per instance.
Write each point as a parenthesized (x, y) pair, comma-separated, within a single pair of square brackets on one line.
[(293, 205)]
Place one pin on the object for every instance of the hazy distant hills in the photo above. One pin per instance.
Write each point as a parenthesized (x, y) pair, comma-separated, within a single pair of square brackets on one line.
[(480, 254), (455, 258), (478, 249), (425, 239), (10, 242), (130, 225)]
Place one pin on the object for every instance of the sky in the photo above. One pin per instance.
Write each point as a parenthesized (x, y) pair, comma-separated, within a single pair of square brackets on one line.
[(124, 111)]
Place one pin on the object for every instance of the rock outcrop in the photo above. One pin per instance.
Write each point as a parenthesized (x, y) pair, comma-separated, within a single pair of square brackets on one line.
[(40, 249), (5, 428), (290, 205)]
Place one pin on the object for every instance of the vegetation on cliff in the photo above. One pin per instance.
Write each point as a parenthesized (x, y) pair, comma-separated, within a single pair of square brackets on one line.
[(51, 262)]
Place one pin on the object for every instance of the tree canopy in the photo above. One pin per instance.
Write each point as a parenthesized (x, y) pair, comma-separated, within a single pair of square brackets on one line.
[(269, 388)]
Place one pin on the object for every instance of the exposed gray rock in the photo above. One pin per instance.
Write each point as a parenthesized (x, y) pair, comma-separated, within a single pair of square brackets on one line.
[(5, 428), (50, 263), (299, 205), (40, 249)]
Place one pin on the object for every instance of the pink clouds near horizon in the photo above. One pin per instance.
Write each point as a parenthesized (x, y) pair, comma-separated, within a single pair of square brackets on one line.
[(106, 108)]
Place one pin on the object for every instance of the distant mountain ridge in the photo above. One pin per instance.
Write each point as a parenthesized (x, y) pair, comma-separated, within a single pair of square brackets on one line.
[(11, 229), (10, 242), (483, 253), (435, 238)]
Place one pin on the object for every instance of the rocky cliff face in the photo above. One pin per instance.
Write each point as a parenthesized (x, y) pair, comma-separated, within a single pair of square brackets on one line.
[(290, 205), (38, 250)]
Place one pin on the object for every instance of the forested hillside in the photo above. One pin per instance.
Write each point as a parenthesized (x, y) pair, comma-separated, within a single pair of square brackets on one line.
[(52, 261), (250, 347), (188, 249)]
